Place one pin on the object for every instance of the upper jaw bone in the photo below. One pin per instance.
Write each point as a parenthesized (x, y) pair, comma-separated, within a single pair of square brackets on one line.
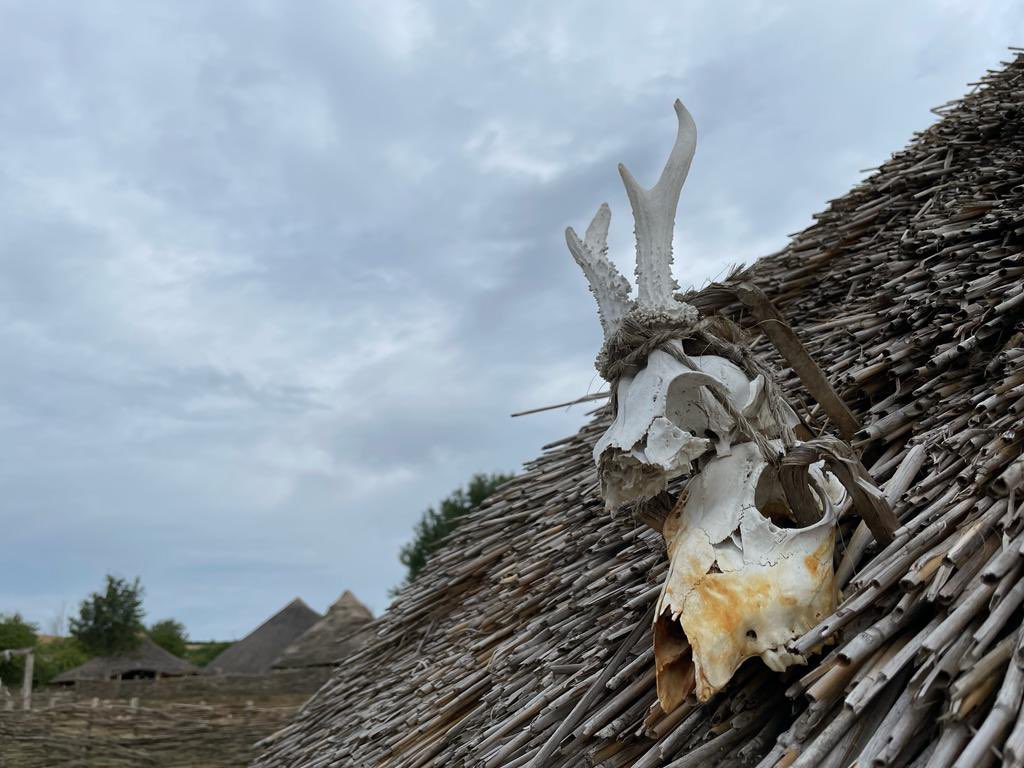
[(739, 585)]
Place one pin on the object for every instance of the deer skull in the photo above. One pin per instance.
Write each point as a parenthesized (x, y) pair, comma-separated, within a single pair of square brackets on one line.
[(740, 585), (667, 418), (742, 580)]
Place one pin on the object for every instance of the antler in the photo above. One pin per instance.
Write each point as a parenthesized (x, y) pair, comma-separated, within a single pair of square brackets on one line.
[(607, 284), (654, 211)]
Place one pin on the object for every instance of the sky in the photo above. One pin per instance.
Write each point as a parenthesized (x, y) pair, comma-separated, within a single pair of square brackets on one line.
[(273, 275)]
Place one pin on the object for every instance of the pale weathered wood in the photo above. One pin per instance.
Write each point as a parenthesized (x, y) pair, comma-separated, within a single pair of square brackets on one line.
[(26, 682)]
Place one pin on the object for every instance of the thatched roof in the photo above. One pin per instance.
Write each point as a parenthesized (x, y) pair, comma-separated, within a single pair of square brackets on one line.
[(255, 653), (331, 639), (148, 660), (532, 625)]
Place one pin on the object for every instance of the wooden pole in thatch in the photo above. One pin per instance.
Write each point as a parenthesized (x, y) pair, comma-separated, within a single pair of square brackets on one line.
[(775, 327)]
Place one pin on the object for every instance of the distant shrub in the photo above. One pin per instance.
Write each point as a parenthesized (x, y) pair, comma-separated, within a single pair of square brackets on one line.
[(57, 655), (52, 655), (15, 632), (435, 525), (202, 654)]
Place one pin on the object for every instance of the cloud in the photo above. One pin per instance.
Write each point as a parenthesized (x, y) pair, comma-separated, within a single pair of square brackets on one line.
[(274, 276)]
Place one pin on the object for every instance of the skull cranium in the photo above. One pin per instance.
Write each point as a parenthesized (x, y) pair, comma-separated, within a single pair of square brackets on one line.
[(667, 418)]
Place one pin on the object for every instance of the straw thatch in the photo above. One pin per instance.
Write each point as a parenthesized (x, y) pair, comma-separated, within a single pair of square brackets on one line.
[(331, 639), (148, 660), (528, 634), (255, 653)]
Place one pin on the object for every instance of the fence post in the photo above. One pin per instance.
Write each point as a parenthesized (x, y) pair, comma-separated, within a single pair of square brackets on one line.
[(26, 683), (90, 714), (133, 706)]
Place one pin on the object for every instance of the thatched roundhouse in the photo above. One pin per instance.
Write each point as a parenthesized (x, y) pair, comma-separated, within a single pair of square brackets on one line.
[(255, 653), (527, 640), (335, 637), (149, 660)]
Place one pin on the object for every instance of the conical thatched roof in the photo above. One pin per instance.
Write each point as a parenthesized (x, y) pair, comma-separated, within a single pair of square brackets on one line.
[(331, 639), (532, 625), (255, 653), (148, 660)]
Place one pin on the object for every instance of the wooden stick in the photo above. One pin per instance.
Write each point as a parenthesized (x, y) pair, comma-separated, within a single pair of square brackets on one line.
[(775, 327)]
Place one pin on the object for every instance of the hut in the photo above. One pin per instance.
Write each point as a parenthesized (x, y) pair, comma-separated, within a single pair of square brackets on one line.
[(147, 661), (255, 653), (526, 641), (335, 637)]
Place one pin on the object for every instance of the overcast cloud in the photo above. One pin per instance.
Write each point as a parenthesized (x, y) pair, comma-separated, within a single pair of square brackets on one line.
[(275, 274)]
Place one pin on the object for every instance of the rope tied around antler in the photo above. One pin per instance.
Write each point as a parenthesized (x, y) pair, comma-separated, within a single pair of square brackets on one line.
[(625, 352)]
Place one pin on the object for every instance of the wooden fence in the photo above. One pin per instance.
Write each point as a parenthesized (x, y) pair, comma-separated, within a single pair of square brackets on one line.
[(108, 734), (266, 689)]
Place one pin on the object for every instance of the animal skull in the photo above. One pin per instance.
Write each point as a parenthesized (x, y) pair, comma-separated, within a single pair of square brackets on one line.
[(739, 584), (742, 580), (667, 418)]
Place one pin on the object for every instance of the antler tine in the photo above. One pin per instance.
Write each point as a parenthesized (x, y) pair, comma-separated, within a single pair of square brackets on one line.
[(596, 238), (654, 211), (609, 287)]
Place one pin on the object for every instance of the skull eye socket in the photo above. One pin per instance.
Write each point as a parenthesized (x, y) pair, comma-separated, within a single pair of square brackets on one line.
[(770, 500), (690, 408)]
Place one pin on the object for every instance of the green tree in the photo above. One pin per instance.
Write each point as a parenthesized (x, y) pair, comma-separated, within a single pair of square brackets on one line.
[(170, 635), (15, 632), (52, 656), (111, 622), (202, 654), (435, 525)]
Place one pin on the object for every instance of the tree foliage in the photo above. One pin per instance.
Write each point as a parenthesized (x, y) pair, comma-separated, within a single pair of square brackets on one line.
[(15, 632), (202, 654), (170, 635), (52, 655), (110, 622), (435, 525), (57, 655)]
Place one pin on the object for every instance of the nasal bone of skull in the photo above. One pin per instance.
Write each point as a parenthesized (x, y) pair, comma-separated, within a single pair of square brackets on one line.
[(738, 585)]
